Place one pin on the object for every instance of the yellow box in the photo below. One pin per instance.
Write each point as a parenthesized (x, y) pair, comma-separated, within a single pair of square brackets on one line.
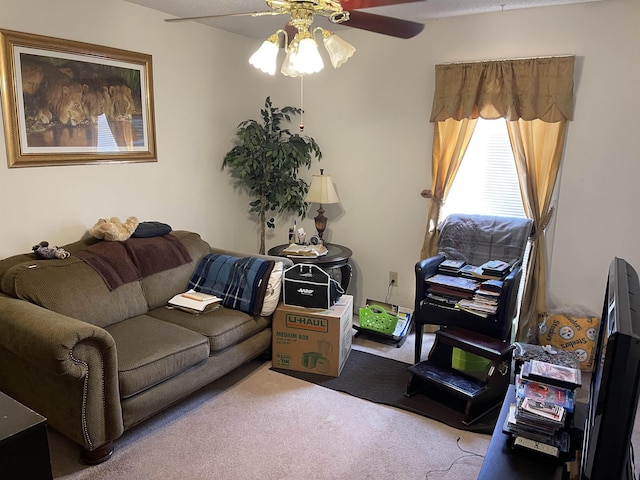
[(313, 340)]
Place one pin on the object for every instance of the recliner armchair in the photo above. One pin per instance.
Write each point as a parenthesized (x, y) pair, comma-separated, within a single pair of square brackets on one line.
[(476, 239)]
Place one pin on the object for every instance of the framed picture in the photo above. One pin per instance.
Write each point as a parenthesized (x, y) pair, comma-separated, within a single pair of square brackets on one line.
[(67, 102)]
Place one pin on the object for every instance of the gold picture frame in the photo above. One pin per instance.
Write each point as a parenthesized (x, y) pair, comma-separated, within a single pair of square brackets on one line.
[(70, 103)]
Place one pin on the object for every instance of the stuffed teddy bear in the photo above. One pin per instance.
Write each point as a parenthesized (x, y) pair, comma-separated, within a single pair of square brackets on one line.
[(113, 229), (43, 250)]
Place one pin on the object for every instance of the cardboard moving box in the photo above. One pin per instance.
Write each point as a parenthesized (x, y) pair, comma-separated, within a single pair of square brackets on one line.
[(313, 340)]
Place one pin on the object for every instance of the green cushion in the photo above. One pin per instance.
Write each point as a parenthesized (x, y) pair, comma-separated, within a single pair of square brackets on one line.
[(150, 351)]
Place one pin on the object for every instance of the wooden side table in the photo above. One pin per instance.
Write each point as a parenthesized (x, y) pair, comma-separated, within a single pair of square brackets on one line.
[(24, 447), (337, 258)]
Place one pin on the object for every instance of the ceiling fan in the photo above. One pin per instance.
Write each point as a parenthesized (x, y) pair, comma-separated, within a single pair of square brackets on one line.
[(345, 12), (299, 39)]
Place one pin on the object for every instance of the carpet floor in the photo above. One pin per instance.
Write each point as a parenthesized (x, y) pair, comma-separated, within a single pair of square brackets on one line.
[(384, 380), (256, 423)]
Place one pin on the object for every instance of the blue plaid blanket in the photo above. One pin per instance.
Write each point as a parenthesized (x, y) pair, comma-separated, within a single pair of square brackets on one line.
[(240, 282)]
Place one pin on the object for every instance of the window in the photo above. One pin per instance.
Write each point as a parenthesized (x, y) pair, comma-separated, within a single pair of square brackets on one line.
[(487, 184), (487, 181)]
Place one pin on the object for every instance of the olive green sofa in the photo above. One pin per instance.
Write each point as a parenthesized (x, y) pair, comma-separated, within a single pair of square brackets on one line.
[(96, 361)]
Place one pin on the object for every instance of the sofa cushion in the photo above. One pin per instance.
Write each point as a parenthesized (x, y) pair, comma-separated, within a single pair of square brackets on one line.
[(150, 351), (223, 327), (160, 287), (274, 288), (73, 288)]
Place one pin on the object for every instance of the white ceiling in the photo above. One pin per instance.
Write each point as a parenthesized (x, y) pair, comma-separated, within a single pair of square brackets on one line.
[(262, 27)]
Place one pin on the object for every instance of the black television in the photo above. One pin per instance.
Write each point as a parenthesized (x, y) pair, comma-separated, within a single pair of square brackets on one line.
[(607, 452)]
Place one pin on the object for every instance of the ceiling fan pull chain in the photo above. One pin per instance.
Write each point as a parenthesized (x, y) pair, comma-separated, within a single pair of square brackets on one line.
[(301, 103)]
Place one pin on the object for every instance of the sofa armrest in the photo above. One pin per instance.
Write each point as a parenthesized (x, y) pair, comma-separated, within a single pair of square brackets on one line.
[(47, 339), (47, 355)]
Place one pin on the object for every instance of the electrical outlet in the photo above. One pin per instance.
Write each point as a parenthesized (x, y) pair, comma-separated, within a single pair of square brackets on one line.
[(393, 278)]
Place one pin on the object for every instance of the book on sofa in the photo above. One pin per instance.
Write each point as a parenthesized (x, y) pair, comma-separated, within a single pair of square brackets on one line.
[(196, 302)]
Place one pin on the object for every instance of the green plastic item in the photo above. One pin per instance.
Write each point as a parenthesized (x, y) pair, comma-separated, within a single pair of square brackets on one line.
[(469, 362), (374, 317)]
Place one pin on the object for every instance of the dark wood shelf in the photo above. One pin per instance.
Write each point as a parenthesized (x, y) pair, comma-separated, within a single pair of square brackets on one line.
[(482, 391), (458, 384)]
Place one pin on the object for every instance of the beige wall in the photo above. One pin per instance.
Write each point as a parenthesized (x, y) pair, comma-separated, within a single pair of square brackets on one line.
[(201, 93), (370, 118)]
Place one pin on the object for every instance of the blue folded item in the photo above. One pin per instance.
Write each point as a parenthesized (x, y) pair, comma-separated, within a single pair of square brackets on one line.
[(240, 282)]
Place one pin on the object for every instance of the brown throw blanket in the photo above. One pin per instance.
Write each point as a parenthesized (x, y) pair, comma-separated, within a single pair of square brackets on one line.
[(129, 261)]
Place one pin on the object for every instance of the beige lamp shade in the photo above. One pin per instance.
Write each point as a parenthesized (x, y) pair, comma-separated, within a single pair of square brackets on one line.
[(321, 190)]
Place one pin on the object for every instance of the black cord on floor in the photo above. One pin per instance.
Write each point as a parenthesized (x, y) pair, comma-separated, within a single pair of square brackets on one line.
[(468, 454)]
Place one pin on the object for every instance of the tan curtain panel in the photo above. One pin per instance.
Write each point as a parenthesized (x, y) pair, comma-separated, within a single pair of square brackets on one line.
[(527, 89), (537, 148), (450, 140)]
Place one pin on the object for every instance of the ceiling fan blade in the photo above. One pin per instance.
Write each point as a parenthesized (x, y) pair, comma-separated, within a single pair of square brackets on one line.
[(360, 4), (203, 17), (394, 27)]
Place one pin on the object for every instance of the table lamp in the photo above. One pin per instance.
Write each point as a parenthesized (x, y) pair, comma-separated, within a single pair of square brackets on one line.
[(321, 191)]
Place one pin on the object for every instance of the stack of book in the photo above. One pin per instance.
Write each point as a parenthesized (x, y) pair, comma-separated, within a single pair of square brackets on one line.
[(545, 395), (295, 250), (451, 286), (479, 305), (463, 286), (485, 299), (451, 267), (491, 270), (194, 302), (496, 268)]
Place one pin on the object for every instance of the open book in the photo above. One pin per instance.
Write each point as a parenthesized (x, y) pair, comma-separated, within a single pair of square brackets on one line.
[(195, 302)]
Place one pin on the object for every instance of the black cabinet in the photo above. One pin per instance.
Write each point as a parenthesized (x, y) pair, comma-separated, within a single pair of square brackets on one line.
[(24, 448), (501, 461)]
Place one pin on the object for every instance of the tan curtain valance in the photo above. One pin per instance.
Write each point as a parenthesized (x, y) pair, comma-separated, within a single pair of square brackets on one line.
[(527, 89)]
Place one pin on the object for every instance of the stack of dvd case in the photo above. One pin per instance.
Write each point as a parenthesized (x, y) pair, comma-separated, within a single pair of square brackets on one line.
[(545, 396)]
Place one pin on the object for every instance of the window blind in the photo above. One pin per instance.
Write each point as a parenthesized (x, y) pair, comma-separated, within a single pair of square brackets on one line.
[(487, 181)]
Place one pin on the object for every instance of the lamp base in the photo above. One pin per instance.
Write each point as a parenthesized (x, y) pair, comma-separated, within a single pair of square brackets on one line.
[(321, 224)]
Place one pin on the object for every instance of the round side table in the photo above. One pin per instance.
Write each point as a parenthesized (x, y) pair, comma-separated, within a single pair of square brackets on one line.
[(337, 257)]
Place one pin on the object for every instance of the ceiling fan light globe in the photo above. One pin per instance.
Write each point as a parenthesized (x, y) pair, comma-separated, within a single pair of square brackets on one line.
[(307, 59), (287, 68), (265, 57), (339, 50)]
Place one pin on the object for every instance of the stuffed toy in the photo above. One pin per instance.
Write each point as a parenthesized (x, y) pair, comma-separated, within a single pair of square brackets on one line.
[(113, 229), (43, 250)]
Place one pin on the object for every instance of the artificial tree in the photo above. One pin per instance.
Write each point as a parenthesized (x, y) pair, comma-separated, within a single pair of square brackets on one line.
[(265, 162)]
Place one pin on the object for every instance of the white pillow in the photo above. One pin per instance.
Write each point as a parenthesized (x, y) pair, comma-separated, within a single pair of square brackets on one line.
[(272, 295)]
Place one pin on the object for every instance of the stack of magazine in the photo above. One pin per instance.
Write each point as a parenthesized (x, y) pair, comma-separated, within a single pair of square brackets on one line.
[(462, 286), (545, 396), (485, 299)]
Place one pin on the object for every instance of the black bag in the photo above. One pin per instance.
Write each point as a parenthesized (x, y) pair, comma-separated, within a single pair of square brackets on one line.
[(307, 285)]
